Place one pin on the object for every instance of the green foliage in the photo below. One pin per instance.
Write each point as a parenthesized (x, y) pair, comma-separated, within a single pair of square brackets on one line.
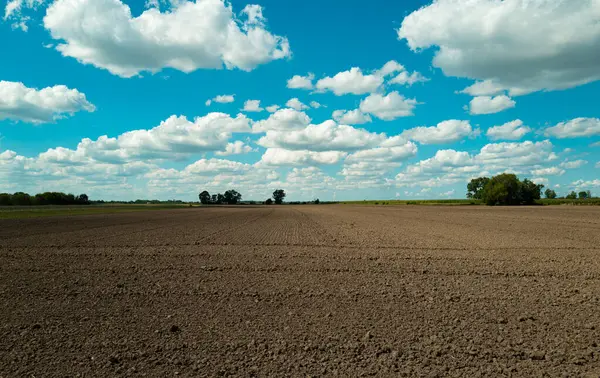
[(585, 194), (204, 197), (571, 195), (475, 187), (550, 194), (269, 201), (47, 198), (507, 189), (232, 197), (317, 201), (278, 196)]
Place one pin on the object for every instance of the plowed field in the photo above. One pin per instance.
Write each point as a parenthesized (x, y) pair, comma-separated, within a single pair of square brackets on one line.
[(303, 291)]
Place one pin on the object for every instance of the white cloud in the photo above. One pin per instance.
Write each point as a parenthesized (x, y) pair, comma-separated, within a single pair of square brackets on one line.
[(284, 120), (513, 130), (351, 117), (301, 82), (404, 78), (444, 132), (550, 171), (505, 155), (252, 106), (583, 185), (483, 88), (490, 105), (578, 127), (327, 136), (20, 103), (385, 154), (283, 157), (389, 68), (519, 45), (316, 105), (595, 144), (350, 82), (573, 164), (221, 99), (272, 108), (235, 148), (294, 103), (174, 139), (388, 107), (597, 164), (13, 11), (191, 35)]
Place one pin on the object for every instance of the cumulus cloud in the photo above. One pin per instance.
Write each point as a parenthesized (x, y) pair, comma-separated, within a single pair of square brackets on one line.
[(385, 154), (448, 131), (190, 35), (235, 148), (550, 171), (518, 45), (316, 105), (20, 103), (388, 107), (351, 117), (353, 81), (283, 120), (252, 106), (405, 78), (578, 127), (573, 164), (513, 130), (326, 136), (283, 157), (221, 99), (490, 105), (272, 108), (294, 103), (301, 82)]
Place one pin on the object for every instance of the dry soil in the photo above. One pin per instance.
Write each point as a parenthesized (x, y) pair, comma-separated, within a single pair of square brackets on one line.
[(303, 291)]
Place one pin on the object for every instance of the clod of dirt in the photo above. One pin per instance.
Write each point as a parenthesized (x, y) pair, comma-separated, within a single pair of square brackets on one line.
[(114, 360), (175, 328), (36, 326)]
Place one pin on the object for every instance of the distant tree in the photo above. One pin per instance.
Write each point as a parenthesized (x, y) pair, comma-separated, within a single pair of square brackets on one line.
[(204, 197), (278, 196), (583, 195), (213, 198), (317, 201), (5, 199), (21, 199), (475, 187), (269, 201), (550, 194), (507, 189), (571, 195), (220, 199), (232, 197), (82, 199), (589, 194)]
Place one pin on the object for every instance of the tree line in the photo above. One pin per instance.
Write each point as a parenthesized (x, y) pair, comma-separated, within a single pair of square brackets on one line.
[(232, 197), (507, 189), (46, 198)]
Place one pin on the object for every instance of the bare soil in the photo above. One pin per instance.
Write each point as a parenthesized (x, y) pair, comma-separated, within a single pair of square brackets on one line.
[(303, 291)]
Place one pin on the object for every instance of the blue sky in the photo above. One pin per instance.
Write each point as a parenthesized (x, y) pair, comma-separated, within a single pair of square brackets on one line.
[(406, 99)]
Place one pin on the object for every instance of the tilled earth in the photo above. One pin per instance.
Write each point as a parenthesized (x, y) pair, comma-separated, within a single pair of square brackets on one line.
[(303, 291)]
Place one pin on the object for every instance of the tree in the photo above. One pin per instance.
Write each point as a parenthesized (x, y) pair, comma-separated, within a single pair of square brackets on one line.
[(232, 197), (20, 199), (204, 197), (213, 198), (550, 194), (5, 199), (507, 189), (278, 196), (269, 201), (317, 201), (571, 195), (220, 199), (82, 199), (475, 187), (583, 195)]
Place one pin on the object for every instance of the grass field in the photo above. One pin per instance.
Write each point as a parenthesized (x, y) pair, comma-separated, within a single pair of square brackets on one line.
[(415, 202), (15, 212)]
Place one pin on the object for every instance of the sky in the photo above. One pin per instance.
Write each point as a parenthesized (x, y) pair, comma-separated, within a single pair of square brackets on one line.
[(161, 99)]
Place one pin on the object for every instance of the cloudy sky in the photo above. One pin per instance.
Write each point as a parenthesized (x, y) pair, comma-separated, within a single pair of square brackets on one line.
[(126, 99)]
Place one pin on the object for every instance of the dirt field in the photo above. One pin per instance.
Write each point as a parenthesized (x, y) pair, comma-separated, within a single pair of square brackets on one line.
[(303, 291)]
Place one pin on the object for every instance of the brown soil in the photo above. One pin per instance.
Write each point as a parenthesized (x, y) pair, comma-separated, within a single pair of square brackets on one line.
[(298, 291)]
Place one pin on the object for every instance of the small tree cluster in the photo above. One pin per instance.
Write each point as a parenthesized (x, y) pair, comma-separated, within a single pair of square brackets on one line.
[(47, 198), (504, 189), (230, 197)]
